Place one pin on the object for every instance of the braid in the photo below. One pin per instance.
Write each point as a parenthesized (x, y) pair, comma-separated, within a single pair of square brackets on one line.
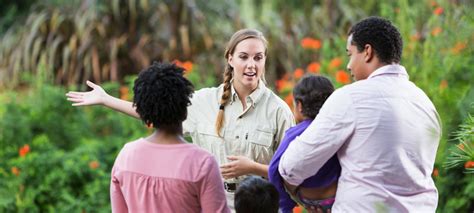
[(224, 99)]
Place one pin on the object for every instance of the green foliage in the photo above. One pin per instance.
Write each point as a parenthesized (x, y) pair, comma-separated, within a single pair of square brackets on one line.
[(459, 166), (70, 151)]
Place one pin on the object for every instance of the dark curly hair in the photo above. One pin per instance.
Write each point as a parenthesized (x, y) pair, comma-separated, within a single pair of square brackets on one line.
[(162, 96), (384, 38), (256, 195), (312, 91)]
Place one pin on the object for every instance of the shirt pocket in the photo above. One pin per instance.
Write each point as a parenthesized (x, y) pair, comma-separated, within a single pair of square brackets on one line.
[(207, 138), (262, 136), (261, 142)]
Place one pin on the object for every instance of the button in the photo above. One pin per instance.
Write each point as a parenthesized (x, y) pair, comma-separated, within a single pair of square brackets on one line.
[(237, 137)]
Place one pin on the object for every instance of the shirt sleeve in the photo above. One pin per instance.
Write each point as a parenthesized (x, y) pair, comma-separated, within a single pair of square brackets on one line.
[(116, 197), (331, 128), (285, 121), (212, 195), (189, 125)]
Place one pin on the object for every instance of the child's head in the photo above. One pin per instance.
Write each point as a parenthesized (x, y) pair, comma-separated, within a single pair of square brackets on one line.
[(310, 94), (256, 195), (162, 96)]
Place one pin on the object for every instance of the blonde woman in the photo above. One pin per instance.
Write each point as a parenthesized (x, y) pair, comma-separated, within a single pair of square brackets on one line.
[(241, 122)]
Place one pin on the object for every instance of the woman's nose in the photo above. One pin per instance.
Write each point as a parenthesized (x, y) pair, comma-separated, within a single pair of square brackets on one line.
[(251, 64)]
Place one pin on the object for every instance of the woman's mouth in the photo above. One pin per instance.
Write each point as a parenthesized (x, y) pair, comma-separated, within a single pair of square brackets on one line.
[(250, 74)]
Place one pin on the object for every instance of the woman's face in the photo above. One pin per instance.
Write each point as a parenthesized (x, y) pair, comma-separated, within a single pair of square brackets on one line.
[(248, 61)]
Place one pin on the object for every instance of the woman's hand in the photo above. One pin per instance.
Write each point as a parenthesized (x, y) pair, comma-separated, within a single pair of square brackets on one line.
[(239, 166), (94, 97)]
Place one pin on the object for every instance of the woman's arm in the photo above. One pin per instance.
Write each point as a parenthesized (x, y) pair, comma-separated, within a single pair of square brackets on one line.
[(98, 96), (242, 165)]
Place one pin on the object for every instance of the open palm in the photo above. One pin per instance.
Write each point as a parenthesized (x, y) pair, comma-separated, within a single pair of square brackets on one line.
[(93, 97)]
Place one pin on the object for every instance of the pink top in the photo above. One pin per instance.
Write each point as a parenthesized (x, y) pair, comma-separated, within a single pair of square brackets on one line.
[(149, 177)]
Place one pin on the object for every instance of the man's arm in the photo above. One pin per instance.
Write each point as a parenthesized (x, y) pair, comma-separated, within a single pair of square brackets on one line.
[(333, 126)]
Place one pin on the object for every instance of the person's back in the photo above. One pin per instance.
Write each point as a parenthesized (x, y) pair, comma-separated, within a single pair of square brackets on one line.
[(162, 172), (397, 134), (152, 177)]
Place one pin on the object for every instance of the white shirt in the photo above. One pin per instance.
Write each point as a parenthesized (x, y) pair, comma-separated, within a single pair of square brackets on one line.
[(385, 131), (254, 132)]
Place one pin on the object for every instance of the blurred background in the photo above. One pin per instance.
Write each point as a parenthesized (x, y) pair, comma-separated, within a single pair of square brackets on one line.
[(55, 157)]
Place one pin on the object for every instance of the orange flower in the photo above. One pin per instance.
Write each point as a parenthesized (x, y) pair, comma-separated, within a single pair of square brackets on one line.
[(438, 11), (335, 63), (458, 47), (279, 84), (435, 172), (178, 63), (310, 43), (436, 31), (283, 84), (289, 100), (461, 146), (298, 73), (433, 3), (94, 164), (15, 171), (342, 77), (124, 94), (443, 84), (24, 150), (188, 66), (415, 37), (298, 209), (314, 67), (469, 164)]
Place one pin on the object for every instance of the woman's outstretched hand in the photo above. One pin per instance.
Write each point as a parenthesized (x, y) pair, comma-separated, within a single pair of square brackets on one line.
[(96, 96)]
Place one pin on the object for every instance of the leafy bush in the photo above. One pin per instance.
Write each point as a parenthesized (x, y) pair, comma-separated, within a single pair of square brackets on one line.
[(56, 157)]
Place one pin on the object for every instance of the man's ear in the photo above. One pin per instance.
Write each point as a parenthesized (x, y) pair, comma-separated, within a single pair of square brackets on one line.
[(369, 53)]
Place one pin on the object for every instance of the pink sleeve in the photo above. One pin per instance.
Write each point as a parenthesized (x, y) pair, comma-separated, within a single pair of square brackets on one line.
[(212, 195), (116, 197)]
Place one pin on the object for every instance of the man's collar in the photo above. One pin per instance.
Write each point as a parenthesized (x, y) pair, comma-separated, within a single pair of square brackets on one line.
[(390, 69)]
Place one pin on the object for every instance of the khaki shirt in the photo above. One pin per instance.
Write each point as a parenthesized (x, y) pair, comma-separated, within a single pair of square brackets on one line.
[(254, 132)]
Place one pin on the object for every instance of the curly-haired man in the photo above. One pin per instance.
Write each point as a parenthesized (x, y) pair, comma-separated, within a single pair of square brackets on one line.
[(383, 128)]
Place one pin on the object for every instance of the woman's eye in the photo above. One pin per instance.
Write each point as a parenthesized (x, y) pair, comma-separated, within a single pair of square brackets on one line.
[(243, 57)]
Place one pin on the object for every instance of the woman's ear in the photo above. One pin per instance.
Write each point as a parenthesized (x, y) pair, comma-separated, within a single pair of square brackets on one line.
[(229, 60), (299, 106)]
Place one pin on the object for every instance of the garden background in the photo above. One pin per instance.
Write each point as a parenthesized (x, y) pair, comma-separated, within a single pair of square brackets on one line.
[(55, 157)]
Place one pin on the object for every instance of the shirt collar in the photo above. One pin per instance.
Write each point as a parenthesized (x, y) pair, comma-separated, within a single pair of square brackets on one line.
[(390, 69), (254, 97)]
